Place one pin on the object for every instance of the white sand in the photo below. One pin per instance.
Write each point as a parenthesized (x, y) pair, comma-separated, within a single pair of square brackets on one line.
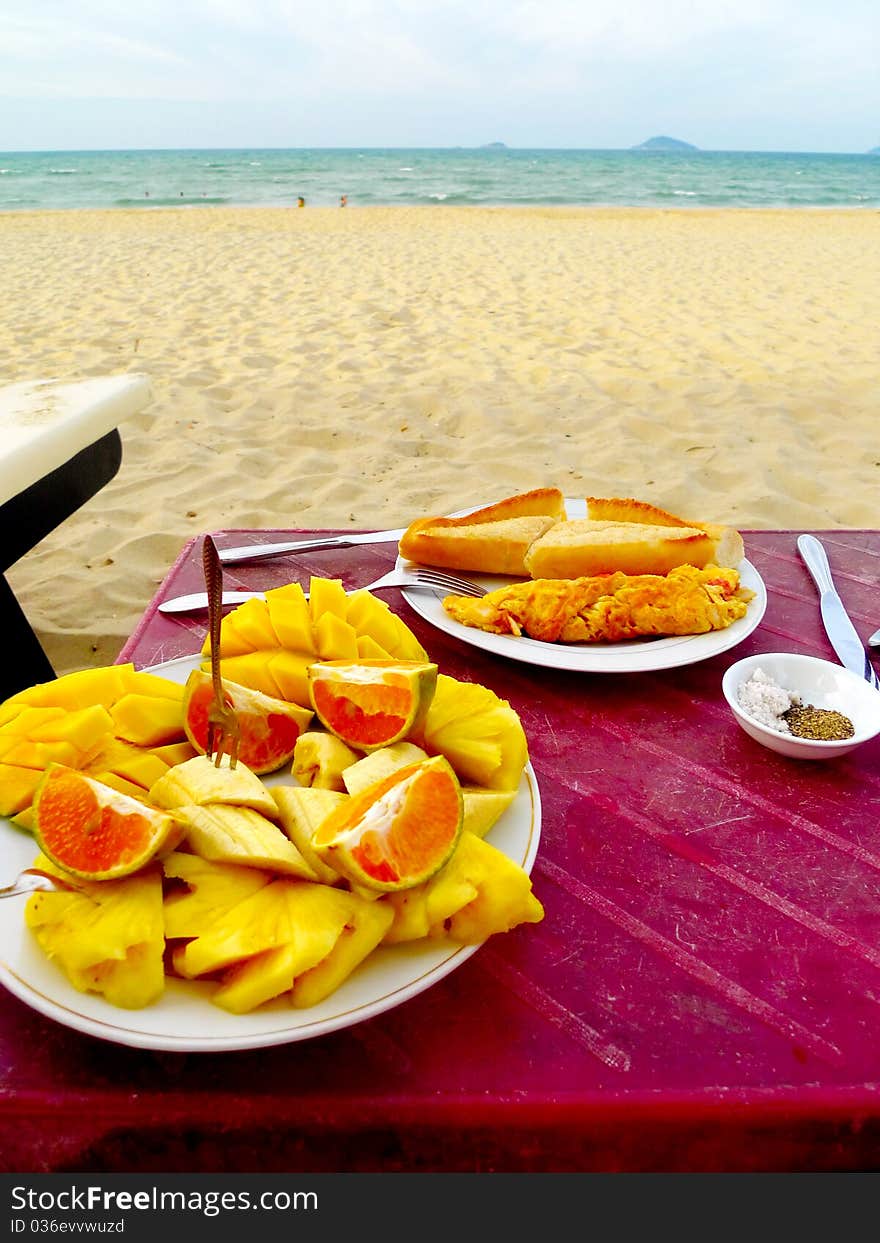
[(322, 368)]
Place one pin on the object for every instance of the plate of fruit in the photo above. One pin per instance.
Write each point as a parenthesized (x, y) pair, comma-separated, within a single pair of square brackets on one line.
[(380, 824)]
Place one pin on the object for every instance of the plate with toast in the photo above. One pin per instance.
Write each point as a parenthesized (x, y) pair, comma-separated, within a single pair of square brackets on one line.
[(611, 585)]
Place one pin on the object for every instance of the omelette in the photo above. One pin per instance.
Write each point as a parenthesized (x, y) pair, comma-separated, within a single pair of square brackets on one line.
[(607, 608)]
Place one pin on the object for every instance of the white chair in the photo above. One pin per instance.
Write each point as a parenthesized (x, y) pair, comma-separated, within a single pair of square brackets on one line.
[(59, 445)]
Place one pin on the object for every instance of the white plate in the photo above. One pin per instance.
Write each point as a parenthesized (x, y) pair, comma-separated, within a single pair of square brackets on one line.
[(184, 1019), (633, 656)]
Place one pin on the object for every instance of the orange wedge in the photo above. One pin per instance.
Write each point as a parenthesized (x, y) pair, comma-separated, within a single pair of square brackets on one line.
[(371, 703), (94, 832), (396, 833), (269, 727)]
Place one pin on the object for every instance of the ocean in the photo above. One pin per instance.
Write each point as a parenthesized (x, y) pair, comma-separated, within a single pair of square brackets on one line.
[(493, 176)]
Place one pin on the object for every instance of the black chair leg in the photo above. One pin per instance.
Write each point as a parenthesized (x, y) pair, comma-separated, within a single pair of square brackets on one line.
[(25, 662), (26, 519)]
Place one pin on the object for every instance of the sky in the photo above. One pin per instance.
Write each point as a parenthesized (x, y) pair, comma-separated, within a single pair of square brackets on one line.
[(761, 75)]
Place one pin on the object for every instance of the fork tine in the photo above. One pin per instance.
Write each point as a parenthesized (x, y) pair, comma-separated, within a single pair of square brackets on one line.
[(448, 580)]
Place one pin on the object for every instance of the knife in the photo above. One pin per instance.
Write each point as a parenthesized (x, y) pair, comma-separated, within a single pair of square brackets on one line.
[(199, 600), (259, 552), (840, 630)]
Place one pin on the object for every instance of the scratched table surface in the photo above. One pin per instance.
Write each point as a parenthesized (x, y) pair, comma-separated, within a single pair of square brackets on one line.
[(703, 993)]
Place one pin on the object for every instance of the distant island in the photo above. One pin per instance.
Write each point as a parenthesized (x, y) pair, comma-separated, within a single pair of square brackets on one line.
[(874, 151), (494, 146), (662, 143)]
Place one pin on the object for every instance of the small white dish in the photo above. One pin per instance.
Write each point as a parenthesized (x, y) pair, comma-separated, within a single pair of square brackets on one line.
[(821, 683)]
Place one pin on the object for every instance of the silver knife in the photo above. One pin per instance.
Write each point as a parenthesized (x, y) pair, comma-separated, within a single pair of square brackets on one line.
[(840, 630), (199, 600), (259, 552)]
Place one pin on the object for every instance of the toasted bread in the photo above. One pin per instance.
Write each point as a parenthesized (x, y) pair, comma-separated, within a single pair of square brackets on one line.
[(633, 537), (528, 536), (491, 540)]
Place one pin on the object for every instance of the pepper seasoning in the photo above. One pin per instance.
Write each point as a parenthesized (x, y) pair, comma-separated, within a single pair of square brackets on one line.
[(820, 724)]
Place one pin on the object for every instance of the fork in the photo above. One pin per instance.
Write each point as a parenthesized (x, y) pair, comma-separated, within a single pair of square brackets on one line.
[(31, 880), (417, 577), (224, 731)]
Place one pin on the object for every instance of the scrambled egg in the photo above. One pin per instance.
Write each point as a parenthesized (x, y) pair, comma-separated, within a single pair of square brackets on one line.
[(609, 607)]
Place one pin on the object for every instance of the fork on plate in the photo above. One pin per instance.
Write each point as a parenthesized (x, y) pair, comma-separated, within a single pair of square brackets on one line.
[(31, 880), (224, 731), (417, 577)]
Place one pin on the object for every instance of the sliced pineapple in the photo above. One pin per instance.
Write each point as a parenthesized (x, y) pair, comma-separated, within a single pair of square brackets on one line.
[(483, 808), (479, 733), (478, 893), (364, 929), (100, 721), (108, 937), (504, 895), (212, 890), (309, 917)]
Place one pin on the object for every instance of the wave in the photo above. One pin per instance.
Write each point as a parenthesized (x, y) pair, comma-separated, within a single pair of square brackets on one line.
[(161, 201), (62, 172)]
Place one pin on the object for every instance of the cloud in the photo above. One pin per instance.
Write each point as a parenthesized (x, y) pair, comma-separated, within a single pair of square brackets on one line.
[(569, 62)]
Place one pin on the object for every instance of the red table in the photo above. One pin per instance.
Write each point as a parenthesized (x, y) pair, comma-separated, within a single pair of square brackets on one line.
[(703, 994)]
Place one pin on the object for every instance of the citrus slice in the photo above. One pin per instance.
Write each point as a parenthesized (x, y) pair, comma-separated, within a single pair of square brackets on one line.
[(398, 832), (269, 727), (371, 703), (92, 831)]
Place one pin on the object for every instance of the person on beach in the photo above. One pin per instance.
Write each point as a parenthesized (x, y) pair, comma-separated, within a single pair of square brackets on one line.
[(300, 202), (343, 199)]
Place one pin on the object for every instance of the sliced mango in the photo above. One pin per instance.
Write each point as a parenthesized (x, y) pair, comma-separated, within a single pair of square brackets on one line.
[(147, 720), (291, 618), (17, 786)]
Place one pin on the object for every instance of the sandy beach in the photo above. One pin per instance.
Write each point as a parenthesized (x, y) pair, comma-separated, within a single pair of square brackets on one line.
[(326, 368)]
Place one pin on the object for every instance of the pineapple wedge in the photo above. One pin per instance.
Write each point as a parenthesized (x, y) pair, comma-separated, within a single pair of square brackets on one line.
[(213, 889), (363, 931), (108, 937), (504, 895), (479, 892), (307, 917), (480, 734), (483, 808)]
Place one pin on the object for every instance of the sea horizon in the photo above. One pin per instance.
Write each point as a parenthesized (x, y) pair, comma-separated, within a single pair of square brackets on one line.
[(489, 175)]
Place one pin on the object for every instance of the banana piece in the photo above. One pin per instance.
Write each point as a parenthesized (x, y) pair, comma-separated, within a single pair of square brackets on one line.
[(319, 760)]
